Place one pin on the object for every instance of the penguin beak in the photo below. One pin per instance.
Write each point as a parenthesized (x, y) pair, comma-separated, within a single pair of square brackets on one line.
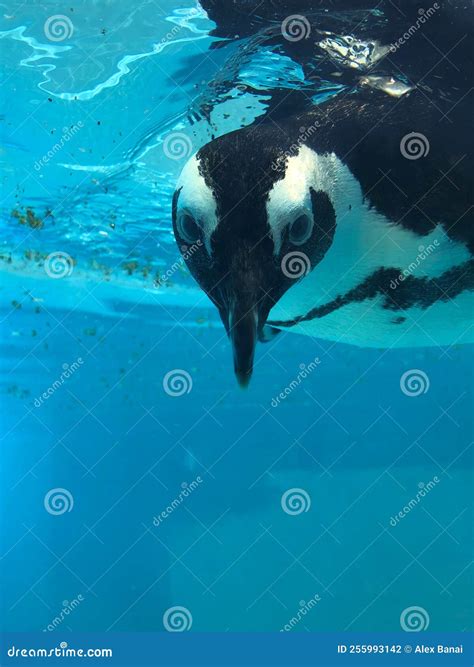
[(244, 298), (242, 330)]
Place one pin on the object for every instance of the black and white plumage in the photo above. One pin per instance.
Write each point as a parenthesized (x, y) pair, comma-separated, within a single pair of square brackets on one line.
[(351, 221)]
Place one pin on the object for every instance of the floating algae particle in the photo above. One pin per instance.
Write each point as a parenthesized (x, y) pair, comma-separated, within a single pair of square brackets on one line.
[(157, 280), (16, 214), (98, 266), (16, 304), (18, 392), (34, 255), (130, 267), (90, 332), (29, 219), (32, 220)]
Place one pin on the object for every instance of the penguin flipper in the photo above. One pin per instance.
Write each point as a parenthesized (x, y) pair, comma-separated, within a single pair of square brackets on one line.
[(268, 333)]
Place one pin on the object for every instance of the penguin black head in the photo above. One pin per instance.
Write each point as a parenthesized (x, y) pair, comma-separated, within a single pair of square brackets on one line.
[(250, 225)]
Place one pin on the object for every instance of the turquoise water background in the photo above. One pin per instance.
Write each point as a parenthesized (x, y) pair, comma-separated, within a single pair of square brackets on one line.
[(113, 435)]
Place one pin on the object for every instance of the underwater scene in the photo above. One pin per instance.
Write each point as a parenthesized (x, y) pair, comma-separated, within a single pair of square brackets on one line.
[(224, 409)]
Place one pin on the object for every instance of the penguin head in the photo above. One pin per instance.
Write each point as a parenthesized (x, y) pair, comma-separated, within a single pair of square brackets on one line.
[(250, 224)]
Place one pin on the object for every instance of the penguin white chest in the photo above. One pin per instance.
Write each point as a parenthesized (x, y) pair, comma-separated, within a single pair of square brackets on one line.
[(340, 290)]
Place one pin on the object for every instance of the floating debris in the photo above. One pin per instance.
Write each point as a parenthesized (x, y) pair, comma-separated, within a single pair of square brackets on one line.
[(351, 52), (18, 392), (29, 219), (130, 267), (34, 255), (388, 84)]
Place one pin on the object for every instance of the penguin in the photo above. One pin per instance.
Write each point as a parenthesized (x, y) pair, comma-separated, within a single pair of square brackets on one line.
[(351, 222)]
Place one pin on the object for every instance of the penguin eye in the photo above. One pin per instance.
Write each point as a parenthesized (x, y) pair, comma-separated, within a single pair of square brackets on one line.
[(300, 230), (188, 228)]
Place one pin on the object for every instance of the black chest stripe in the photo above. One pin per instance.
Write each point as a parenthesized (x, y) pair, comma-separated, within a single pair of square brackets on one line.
[(412, 292)]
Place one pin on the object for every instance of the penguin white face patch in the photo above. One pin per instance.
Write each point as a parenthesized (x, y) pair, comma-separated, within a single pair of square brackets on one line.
[(196, 205), (289, 202)]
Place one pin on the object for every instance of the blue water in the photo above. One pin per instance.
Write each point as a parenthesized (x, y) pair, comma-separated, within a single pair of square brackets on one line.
[(121, 447)]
